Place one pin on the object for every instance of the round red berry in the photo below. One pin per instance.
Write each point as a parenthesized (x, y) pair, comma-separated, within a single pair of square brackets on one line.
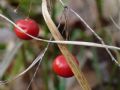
[(61, 67), (29, 26)]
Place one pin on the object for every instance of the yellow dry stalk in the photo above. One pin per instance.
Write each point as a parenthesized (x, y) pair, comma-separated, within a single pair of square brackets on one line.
[(63, 48)]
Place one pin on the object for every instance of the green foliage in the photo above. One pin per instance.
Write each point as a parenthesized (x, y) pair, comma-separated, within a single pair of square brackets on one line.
[(2, 46), (99, 6)]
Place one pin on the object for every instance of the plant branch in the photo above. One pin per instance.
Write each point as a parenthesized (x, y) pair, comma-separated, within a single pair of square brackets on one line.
[(60, 41), (97, 36), (37, 67)]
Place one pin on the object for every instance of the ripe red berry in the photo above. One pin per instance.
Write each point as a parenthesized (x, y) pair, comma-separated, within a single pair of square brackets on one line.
[(61, 67), (29, 26)]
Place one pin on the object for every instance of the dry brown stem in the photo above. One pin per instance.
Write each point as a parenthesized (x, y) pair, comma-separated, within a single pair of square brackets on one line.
[(63, 48)]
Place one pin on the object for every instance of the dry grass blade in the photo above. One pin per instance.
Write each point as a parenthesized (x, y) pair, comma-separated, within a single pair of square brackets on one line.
[(57, 36)]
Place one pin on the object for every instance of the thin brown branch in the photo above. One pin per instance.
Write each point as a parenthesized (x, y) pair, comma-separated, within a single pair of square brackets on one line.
[(97, 36)]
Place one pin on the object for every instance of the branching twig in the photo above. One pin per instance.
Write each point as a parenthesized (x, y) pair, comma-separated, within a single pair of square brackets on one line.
[(38, 66), (116, 25), (97, 36)]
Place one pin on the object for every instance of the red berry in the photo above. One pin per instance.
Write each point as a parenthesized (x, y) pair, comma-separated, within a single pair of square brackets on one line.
[(61, 67), (29, 26)]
